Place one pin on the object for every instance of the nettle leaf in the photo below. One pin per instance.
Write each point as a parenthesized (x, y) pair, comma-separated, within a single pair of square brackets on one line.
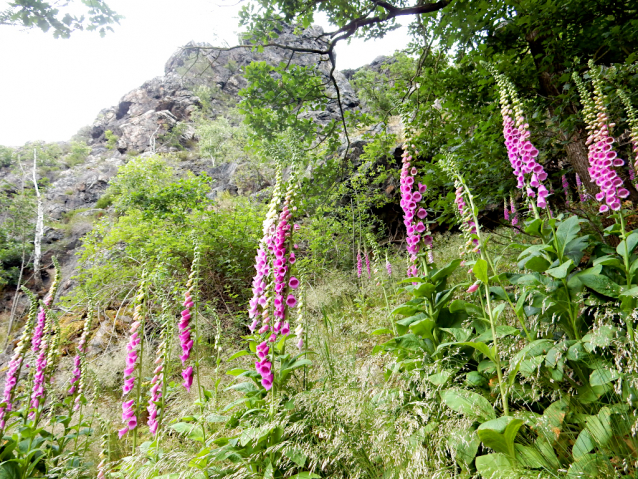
[(468, 403)]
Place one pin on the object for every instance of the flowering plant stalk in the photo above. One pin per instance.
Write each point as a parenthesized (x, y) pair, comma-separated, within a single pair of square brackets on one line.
[(520, 150), (275, 259), (632, 116), (15, 363), (602, 158), (186, 340), (77, 381), (157, 395), (133, 364), (413, 212), (480, 268)]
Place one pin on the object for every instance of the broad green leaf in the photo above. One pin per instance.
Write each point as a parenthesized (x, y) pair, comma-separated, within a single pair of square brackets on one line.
[(464, 444), (468, 403), (633, 292), (567, 230), (501, 332), (630, 243), (561, 271), (238, 354), (439, 379), (446, 271), (603, 376), (601, 284), (191, 430), (481, 347), (306, 475), (297, 456), (497, 466), (500, 434), (534, 263), (591, 466), (380, 331), (480, 270)]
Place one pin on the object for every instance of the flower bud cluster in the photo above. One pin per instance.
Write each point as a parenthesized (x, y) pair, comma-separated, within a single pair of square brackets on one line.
[(77, 380), (299, 331), (468, 225), (359, 264), (413, 213), (128, 407), (42, 314), (602, 158), (520, 150), (566, 189), (632, 117), (155, 401), (15, 363)]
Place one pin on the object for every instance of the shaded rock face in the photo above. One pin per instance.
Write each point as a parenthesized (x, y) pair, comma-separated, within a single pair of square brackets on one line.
[(145, 113)]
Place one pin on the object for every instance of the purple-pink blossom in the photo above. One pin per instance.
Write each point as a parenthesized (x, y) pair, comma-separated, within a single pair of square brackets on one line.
[(367, 264), (411, 194), (566, 189), (359, 265)]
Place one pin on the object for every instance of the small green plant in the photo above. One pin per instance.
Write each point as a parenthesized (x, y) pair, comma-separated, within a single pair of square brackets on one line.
[(111, 139)]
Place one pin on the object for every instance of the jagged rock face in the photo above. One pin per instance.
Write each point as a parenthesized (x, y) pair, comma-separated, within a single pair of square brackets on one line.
[(159, 104)]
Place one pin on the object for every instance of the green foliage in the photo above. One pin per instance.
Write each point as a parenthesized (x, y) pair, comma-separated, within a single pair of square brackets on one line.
[(111, 139), (382, 90), (157, 216), (59, 18), (78, 154), (220, 141), (17, 219), (6, 156), (148, 186)]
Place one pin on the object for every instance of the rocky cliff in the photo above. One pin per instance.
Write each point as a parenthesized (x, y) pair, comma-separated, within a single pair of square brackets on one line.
[(154, 109)]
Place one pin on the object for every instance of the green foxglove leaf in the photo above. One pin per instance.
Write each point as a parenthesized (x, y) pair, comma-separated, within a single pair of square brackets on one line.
[(480, 270), (468, 403)]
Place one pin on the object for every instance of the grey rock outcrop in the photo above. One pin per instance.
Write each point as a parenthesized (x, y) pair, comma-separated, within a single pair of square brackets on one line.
[(144, 114)]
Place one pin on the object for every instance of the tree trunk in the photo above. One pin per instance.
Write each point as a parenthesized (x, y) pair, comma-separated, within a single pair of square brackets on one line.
[(39, 229), (577, 155)]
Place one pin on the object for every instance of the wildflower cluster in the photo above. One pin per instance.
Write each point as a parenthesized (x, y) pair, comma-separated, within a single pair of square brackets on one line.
[(41, 346), (275, 258), (15, 363), (128, 407), (413, 213), (520, 150), (602, 158), (185, 338)]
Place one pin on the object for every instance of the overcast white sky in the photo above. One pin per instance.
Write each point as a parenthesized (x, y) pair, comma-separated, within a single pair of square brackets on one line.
[(51, 88)]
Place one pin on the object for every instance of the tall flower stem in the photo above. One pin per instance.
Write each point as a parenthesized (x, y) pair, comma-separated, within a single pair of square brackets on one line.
[(449, 165), (140, 366), (625, 255), (485, 256)]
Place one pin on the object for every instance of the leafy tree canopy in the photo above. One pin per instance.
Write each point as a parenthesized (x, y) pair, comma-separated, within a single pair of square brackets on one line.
[(59, 17)]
